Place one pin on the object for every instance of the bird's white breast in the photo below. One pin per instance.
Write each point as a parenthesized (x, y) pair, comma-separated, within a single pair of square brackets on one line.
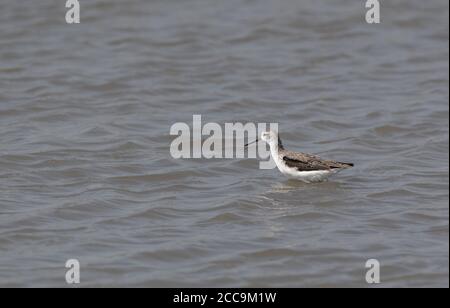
[(305, 176)]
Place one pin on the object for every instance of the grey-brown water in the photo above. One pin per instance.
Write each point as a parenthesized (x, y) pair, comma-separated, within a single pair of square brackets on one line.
[(85, 168)]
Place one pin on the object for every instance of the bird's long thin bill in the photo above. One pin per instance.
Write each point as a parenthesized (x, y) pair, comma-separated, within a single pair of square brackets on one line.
[(251, 143)]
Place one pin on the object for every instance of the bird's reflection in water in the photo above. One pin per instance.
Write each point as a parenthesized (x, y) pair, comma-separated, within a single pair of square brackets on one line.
[(293, 186), (290, 198)]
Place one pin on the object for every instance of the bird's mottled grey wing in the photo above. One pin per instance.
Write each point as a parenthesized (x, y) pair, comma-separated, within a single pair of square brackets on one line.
[(308, 162)]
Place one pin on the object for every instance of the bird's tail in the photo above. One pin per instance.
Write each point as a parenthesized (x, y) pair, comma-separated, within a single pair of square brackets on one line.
[(346, 165)]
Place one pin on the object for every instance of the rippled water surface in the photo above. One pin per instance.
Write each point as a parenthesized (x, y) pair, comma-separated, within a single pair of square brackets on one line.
[(85, 168)]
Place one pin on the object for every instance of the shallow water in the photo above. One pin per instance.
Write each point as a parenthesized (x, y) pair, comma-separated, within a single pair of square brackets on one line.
[(85, 168)]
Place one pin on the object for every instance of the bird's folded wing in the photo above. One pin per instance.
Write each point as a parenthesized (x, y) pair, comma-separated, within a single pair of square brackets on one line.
[(309, 162), (305, 163)]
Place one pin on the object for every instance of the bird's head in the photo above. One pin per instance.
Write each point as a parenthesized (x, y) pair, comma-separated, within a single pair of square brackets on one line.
[(271, 138)]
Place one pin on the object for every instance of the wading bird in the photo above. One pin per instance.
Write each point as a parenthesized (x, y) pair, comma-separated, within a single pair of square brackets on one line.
[(300, 166)]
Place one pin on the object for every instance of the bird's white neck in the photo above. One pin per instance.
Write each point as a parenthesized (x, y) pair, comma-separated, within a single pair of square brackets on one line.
[(274, 151)]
